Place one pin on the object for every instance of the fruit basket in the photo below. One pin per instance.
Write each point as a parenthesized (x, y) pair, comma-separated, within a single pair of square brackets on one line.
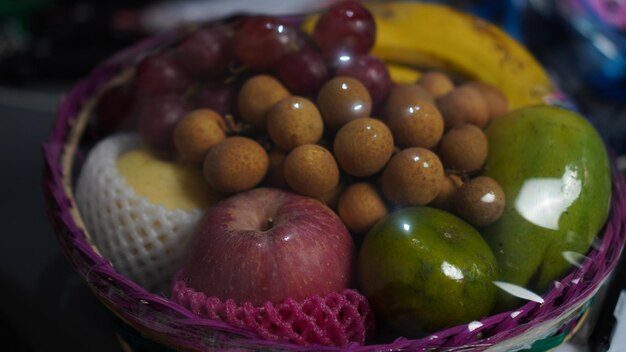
[(165, 322)]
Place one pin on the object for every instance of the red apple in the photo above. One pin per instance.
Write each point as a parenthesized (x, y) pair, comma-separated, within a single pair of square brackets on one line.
[(268, 245)]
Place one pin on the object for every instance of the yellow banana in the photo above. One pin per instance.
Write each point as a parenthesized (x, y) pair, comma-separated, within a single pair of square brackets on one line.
[(437, 36), (402, 73)]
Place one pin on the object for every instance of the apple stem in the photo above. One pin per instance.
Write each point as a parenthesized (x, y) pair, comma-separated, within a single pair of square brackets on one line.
[(269, 224)]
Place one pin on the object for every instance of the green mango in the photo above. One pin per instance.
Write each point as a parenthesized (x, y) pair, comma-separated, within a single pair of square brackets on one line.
[(423, 269), (556, 176)]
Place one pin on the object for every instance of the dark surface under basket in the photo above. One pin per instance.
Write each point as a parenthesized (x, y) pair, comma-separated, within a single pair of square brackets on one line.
[(44, 305), (168, 323)]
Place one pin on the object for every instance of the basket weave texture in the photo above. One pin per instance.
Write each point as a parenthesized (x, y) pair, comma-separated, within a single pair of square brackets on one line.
[(168, 323)]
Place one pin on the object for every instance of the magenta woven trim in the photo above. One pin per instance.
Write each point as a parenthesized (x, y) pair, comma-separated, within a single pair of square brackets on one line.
[(333, 319), (174, 325)]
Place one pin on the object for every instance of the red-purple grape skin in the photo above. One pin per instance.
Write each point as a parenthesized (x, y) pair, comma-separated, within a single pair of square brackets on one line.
[(372, 72), (347, 28), (261, 41), (303, 72), (157, 118), (220, 97), (115, 108), (160, 74), (207, 51)]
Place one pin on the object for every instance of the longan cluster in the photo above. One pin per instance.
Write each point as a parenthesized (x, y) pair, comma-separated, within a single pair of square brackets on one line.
[(425, 147)]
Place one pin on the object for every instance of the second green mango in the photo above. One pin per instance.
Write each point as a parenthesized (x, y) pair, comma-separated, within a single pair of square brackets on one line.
[(556, 176)]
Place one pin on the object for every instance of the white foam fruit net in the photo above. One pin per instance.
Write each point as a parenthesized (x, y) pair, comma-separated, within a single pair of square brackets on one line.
[(144, 241)]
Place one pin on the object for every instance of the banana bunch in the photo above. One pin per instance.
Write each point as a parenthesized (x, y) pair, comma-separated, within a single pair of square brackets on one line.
[(432, 36)]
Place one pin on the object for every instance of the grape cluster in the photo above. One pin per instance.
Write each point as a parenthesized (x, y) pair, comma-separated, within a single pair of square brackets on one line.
[(257, 101)]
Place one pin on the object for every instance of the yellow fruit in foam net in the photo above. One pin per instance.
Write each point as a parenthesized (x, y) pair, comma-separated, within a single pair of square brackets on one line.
[(140, 211), (173, 185)]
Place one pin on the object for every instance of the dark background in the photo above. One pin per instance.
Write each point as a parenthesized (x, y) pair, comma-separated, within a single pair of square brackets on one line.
[(46, 45)]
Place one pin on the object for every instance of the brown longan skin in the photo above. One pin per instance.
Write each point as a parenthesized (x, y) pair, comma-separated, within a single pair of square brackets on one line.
[(497, 103), (480, 201), (197, 132), (363, 146), (449, 187), (412, 177), (360, 207), (341, 100), (463, 149), (463, 104), (235, 164), (415, 123), (404, 95), (311, 170), (257, 95), (294, 121), (437, 83)]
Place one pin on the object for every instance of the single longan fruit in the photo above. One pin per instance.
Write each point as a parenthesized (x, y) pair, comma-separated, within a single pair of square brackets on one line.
[(445, 198), (497, 102), (480, 201), (311, 170), (405, 95), (363, 146), (257, 95), (463, 105), (294, 121), (415, 124), (412, 177), (343, 99), (235, 164), (437, 83), (197, 132), (463, 148), (275, 175), (360, 206)]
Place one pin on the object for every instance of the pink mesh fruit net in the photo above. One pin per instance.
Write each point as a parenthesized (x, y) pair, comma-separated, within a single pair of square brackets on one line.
[(335, 319)]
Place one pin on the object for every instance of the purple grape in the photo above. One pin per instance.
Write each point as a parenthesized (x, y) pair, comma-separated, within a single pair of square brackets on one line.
[(206, 52), (160, 74), (261, 41), (157, 118), (220, 97), (372, 72), (115, 108), (347, 28), (303, 72)]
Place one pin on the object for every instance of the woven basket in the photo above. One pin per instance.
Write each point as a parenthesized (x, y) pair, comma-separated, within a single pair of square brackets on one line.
[(166, 323)]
